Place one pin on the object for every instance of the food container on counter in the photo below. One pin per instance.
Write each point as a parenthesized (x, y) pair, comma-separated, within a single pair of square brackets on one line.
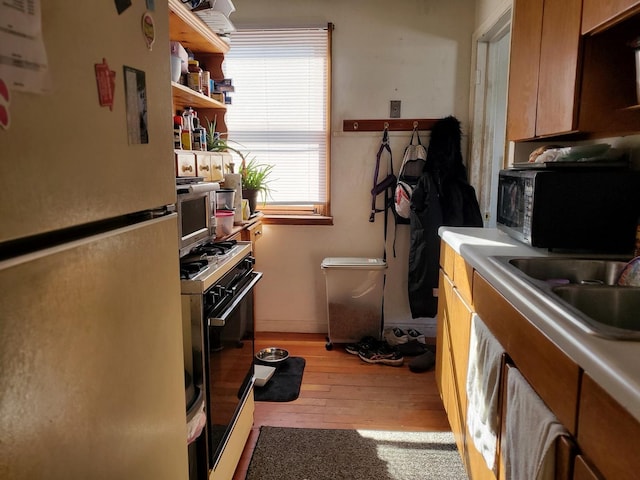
[(225, 198), (224, 222)]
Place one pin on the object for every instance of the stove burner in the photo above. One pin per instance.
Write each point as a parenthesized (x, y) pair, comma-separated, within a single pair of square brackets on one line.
[(216, 248), (197, 260), (191, 268)]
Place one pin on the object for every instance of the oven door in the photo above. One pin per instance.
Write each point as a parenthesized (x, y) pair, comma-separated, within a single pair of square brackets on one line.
[(230, 364)]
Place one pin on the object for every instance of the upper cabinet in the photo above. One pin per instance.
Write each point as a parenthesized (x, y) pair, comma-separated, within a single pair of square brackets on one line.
[(543, 74), (572, 72), (609, 100), (209, 50), (598, 14)]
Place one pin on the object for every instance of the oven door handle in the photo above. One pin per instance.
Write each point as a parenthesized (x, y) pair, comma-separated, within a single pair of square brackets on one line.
[(221, 320)]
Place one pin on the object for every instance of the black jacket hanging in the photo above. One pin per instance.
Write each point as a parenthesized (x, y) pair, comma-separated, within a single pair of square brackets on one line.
[(443, 196)]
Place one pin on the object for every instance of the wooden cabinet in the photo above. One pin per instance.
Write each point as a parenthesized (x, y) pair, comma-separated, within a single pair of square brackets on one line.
[(543, 73), (608, 435), (609, 102), (597, 14), (252, 233), (583, 471), (553, 375), (452, 353), (209, 49)]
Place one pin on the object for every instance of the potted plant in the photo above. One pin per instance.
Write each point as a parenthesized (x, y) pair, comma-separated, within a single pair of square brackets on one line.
[(255, 176), (255, 180), (215, 142)]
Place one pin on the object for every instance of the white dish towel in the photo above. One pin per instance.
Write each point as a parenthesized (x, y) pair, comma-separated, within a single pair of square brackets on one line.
[(530, 432), (483, 386)]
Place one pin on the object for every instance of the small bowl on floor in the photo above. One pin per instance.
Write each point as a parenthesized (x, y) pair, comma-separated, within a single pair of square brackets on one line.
[(272, 356)]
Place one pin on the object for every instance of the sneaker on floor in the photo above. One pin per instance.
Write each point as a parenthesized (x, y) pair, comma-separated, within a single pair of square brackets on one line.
[(416, 335), (395, 336), (365, 343), (384, 354), (423, 362)]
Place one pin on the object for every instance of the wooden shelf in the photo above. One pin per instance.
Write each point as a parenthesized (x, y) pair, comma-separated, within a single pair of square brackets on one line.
[(186, 97), (185, 27)]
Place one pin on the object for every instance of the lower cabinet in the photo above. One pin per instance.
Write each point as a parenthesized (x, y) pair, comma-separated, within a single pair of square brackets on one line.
[(603, 436), (253, 233), (452, 355), (582, 470), (608, 435), (551, 374)]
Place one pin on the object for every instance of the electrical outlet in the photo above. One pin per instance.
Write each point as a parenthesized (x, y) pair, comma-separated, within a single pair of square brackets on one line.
[(394, 110)]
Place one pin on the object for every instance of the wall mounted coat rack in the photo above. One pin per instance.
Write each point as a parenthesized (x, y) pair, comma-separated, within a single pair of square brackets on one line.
[(391, 124)]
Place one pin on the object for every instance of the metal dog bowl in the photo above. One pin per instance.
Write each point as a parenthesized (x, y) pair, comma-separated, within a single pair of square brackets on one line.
[(272, 355)]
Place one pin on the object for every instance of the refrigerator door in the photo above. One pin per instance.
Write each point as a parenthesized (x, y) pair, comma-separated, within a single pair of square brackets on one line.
[(66, 160), (91, 368)]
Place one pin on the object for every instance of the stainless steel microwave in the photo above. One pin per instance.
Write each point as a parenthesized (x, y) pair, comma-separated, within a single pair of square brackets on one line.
[(196, 215), (582, 209)]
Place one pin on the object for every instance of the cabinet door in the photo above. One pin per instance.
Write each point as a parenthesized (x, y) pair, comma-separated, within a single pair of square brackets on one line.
[(607, 434), (557, 81), (524, 62), (582, 470), (553, 375), (597, 13)]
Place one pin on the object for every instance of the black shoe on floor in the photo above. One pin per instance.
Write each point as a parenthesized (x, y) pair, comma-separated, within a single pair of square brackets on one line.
[(423, 362), (365, 343), (412, 348)]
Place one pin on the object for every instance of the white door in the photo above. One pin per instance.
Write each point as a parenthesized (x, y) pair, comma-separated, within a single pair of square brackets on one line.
[(489, 124)]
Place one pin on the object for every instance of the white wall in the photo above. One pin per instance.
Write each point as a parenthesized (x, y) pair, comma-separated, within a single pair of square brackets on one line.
[(416, 51)]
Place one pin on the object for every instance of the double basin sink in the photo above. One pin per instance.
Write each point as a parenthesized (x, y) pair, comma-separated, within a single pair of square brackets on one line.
[(587, 289)]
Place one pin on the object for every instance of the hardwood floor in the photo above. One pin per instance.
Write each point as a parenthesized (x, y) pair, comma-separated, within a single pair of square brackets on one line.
[(341, 391)]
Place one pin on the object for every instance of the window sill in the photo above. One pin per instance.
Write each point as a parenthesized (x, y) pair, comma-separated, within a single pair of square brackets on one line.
[(297, 220)]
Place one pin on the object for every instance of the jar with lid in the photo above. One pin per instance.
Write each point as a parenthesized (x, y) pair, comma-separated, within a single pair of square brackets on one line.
[(194, 77)]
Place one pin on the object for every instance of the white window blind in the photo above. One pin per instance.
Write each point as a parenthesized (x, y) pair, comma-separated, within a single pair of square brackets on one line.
[(279, 110)]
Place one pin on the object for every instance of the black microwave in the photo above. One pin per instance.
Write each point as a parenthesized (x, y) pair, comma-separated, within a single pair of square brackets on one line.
[(581, 209)]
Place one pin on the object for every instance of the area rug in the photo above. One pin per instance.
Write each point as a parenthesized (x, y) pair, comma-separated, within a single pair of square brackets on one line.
[(285, 384), (319, 454)]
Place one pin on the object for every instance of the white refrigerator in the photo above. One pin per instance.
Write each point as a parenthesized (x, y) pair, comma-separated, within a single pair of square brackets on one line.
[(91, 357)]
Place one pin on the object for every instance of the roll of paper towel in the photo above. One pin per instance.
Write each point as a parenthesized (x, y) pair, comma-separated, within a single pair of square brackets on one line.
[(234, 180)]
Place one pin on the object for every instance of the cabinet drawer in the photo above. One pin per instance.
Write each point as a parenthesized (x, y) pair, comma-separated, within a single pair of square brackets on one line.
[(255, 231), (463, 278), (447, 256), (607, 434), (553, 375), (185, 164), (203, 166)]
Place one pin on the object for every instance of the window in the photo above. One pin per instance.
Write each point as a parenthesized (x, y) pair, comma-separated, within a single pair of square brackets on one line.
[(280, 112)]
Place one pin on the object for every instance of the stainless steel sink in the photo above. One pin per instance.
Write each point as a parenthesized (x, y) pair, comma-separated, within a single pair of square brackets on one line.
[(587, 291), (570, 270), (610, 306)]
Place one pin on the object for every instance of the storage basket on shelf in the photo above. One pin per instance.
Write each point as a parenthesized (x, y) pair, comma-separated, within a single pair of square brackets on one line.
[(354, 298)]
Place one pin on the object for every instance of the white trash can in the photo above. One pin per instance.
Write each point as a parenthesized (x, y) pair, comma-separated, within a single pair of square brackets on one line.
[(354, 298)]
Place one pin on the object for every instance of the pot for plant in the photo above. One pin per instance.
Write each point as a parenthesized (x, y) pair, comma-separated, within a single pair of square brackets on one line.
[(251, 195)]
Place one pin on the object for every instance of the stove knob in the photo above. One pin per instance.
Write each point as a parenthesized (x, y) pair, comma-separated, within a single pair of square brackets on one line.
[(249, 262)]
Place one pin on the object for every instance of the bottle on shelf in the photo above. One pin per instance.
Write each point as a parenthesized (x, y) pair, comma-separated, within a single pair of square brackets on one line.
[(199, 135), (177, 132), (187, 128)]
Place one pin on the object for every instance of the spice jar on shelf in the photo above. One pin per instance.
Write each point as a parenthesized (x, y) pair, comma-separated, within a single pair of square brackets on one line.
[(194, 77)]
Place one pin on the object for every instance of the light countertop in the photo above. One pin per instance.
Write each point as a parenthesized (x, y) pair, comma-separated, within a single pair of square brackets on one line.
[(613, 364)]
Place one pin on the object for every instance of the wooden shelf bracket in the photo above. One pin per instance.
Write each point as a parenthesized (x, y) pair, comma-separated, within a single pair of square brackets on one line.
[(391, 124)]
